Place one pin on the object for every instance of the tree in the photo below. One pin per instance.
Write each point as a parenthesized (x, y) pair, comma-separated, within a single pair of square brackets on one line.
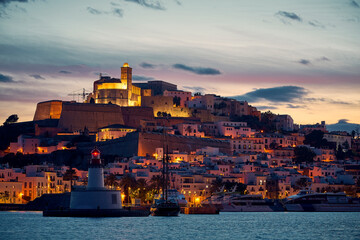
[(156, 183), (163, 114), (127, 183), (267, 119), (111, 181), (141, 190), (4, 196), (11, 119), (301, 183), (346, 145), (222, 105), (216, 185), (273, 145), (316, 139), (234, 186), (176, 101), (188, 130), (272, 187), (303, 154)]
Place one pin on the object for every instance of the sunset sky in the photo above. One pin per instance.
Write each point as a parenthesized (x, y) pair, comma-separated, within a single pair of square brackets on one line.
[(291, 57)]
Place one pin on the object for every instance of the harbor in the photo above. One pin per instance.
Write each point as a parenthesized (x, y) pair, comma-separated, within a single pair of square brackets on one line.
[(267, 225)]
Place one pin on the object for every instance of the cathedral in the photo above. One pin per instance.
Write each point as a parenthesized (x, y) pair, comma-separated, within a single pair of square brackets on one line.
[(116, 91)]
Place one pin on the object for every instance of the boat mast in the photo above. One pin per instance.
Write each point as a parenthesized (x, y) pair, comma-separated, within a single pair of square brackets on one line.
[(165, 169), (166, 172), (163, 166)]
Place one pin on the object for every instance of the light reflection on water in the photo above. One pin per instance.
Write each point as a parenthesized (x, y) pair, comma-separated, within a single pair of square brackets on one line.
[(276, 225)]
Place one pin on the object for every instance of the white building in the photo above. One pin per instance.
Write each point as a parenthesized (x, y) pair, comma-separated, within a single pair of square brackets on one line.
[(234, 129)]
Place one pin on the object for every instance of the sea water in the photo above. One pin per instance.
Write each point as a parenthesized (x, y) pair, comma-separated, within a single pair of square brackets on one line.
[(273, 225)]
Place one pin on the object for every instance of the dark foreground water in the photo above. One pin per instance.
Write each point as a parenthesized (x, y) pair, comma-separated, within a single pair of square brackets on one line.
[(277, 225)]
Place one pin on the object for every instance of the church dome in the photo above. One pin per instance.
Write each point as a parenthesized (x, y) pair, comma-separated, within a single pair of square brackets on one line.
[(126, 65)]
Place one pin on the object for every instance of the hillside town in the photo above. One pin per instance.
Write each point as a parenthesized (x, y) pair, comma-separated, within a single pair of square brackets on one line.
[(214, 144)]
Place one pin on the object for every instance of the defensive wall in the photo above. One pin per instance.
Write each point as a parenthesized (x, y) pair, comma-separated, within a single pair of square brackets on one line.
[(143, 143)]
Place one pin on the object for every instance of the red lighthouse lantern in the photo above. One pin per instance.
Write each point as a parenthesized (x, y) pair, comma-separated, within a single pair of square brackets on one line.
[(95, 157)]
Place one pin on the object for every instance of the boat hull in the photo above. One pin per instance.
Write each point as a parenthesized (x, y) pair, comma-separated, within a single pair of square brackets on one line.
[(168, 210), (322, 207), (234, 208)]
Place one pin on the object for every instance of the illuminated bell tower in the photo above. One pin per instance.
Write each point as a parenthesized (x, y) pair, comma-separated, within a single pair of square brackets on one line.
[(126, 77)]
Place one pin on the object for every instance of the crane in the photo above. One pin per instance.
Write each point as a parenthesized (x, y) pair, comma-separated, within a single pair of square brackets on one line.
[(79, 94)]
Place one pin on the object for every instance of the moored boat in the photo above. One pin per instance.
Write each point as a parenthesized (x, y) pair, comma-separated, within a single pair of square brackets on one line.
[(167, 205), (322, 202), (165, 208), (244, 203)]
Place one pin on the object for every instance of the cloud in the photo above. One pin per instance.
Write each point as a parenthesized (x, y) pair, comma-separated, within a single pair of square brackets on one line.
[(147, 65), (141, 78), (266, 107), (177, 2), (289, 15), (304, 62), (5, 2), (148, 4), (330, 101), (64, 72), (293, 106), (114, 4), (26, 95), (324, 59), (195, 89), (354, 4), (197, 70), (93, 11), (338, 102), (37, 76), (285, 94), (343, 121), (118, 12), (315, 23), (5, 78)]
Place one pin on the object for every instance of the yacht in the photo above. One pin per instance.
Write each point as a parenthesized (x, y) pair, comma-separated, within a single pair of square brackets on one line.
[(243, 203), (307, 201)]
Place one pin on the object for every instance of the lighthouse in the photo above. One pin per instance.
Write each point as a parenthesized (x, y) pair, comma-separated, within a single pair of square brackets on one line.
[(95, 196), (95, 172), (95, 200)]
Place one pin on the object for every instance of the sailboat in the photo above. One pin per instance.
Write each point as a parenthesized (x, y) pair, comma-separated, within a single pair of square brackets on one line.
[(165, 206)]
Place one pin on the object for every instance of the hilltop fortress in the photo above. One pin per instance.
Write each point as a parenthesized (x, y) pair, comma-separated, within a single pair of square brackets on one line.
[(111, 101), (116, 107)]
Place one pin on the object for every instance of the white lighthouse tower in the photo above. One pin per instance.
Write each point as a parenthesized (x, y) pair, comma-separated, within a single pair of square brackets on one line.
[(95, 196), (95, 172)]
